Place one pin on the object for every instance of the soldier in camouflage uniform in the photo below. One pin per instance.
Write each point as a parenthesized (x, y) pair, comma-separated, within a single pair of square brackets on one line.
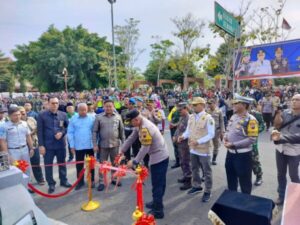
[(183, 147), (219, 127), (173, 118), (257, 170)]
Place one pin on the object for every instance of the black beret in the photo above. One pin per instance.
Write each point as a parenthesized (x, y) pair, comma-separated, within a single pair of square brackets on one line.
[(69, 104), (132, 114)]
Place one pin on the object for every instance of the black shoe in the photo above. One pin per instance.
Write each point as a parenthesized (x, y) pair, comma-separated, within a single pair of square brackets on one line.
[(213, 163), (206, 197), (181, 180), (70, 160), (195, 190), (187, 185), (42, 182), (258, 181), (203, 179), (79, 186), (30, 191), (158, 214), (114, 182), (149, 205), (101, 187), (279, 201), (51, 189), (66, 184), (176, 165)]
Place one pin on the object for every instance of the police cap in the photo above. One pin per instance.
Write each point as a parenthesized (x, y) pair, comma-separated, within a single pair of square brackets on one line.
[(132, 114)]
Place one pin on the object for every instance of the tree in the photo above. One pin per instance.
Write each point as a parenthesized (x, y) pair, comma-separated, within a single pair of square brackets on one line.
[(7, 80), (127, 37), (161, 50), (42, 61), (189, 29)]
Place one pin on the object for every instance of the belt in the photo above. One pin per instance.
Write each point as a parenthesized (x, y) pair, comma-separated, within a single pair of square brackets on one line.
[(18, 147), (241, 150), (128, 128)]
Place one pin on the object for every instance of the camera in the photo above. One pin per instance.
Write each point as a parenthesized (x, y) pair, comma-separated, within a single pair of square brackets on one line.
[(282, 107)]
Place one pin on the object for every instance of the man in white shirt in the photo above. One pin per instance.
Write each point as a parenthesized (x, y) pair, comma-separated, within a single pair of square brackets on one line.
[(200, 131)]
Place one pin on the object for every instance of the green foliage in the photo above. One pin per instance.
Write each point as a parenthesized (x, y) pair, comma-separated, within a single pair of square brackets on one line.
[(42, 61), (7, 80)]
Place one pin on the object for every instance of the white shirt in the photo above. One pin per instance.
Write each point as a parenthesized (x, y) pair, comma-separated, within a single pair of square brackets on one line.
[(210, 134)]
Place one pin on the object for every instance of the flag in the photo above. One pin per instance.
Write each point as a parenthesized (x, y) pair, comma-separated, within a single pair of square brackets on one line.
[(285, 25)]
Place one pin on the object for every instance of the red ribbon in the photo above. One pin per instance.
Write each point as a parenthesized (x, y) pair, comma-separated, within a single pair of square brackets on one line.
[(22, 165), (121, 172), (104, 170), (92, 162), (60, 194), (146, 220), (117, 159)]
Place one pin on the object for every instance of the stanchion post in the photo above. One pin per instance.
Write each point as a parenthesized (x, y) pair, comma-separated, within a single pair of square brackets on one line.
[(139, 216), (90, 205)]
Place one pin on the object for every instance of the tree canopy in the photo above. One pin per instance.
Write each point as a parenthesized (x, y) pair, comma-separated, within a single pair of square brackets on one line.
[(75, 49)]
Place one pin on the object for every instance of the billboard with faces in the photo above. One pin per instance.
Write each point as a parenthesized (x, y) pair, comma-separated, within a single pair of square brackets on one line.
[(268, 61)]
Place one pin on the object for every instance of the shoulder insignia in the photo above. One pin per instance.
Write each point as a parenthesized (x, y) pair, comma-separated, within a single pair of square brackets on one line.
[(159, 115), (145, 137), (252, 129)]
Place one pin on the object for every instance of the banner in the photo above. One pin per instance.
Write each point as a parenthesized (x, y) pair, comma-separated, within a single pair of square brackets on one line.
[(269, 61)]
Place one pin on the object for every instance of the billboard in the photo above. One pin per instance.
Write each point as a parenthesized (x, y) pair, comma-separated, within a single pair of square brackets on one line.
[(268, 61)]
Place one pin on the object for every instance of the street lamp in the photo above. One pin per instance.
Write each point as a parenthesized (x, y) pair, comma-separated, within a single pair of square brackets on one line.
[(113, 41), (65, 74)]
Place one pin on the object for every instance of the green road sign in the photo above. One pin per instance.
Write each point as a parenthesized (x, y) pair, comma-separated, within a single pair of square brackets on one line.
[(226, 21)]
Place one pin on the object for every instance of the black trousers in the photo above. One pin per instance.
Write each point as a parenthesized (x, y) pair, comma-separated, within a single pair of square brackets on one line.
[(158, 180), (239, 170), (80, 154), (268, 119), (135, 146), (60, 155), (36, 168)]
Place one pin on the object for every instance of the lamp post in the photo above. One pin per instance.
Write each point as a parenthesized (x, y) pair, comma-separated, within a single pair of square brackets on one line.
[(113, 41), (65, 74)]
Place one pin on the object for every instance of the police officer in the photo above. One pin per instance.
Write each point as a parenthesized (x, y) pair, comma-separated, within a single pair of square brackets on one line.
[(241, 134), (153, 144), (51, 125), (15, 137), (257, 169), (183, 146), (200, 131), (219, 127), (288, 154), (153, 114)]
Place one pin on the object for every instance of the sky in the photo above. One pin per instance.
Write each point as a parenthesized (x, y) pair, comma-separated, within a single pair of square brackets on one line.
[(22, 21)]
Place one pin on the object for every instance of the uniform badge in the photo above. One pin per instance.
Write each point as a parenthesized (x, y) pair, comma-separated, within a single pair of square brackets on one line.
[(145, 137), (61, 123), (252, 129)]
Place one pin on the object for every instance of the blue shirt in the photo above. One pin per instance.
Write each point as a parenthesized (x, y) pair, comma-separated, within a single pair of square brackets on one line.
[(48, 125), (80, 132), (32, 114)]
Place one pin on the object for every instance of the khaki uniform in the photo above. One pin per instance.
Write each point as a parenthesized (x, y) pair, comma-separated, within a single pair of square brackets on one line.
[(200, 129), (219, 129)]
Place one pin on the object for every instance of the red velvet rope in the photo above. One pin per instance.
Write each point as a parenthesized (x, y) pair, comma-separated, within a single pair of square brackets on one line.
[(60, 194)]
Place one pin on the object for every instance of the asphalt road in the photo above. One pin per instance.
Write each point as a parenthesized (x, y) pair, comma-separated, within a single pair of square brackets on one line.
[(117, 205)]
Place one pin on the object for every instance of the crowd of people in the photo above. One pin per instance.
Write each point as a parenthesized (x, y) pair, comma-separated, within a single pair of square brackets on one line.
[(105, 123)]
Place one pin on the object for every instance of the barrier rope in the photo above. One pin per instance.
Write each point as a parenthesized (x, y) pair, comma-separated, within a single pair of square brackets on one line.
[(60, 194)]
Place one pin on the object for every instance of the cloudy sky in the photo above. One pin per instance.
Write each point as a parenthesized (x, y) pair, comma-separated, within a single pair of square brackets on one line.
[(22, 21)]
